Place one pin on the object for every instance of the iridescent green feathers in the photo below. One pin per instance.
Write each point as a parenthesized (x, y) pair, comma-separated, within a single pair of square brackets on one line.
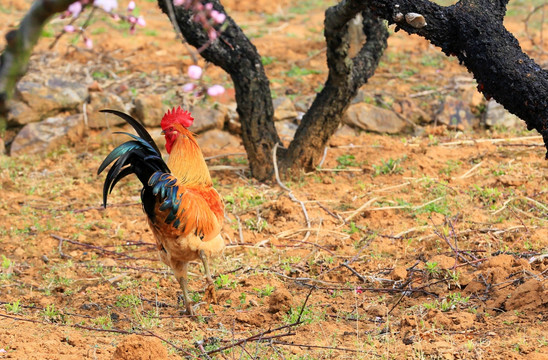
[(141, 156)]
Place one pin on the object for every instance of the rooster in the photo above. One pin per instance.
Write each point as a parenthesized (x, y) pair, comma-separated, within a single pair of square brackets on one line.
[(184, 211)]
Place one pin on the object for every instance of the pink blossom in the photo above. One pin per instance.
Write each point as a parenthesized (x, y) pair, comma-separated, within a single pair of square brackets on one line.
[(189, 87), (107, 5), (212, 33), (69, 28), (131, 6), (359, 290), (209, 6), (178, 2), (75, 8), (216, 90), (132, 19), (141, 21), (218, 17), (89, 43), (194, 72)]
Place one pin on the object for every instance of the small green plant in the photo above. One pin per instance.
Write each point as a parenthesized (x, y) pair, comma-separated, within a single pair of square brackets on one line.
[(346, 160), (14, 307), (51, 314), (105, 322), (128, 301), (432, 268), (353, 228), (242, 297), (7, 268), (389, 166), (223, 281), (265, 291)]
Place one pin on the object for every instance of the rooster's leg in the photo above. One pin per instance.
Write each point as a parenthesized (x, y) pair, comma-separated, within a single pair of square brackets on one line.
[(182, 278), (210, 291)]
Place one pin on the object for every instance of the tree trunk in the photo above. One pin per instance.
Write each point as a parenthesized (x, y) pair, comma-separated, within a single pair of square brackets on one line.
[(235, 54), (346, 76)]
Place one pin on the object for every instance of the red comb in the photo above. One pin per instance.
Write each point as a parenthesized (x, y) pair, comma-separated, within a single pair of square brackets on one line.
[(177, 115)]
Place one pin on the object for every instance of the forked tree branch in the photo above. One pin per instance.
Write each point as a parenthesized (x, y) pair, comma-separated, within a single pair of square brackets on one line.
[(473, 31)]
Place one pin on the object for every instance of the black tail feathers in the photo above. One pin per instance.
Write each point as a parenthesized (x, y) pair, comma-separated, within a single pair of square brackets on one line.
[(140, 156)]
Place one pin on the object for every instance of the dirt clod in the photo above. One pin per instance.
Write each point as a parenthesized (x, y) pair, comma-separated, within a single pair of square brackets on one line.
[(135, 347)]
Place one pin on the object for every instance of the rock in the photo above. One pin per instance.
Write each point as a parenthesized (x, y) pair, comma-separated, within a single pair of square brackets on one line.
[(408, 109), (149, 109), (284, 109), (456, 114), (55, 95), (207, 119), (48, 134), (21, 114), (345, 130), (373, 118), (286, 129), (497, 115), (217, 139), (101, 101), (135, 347)]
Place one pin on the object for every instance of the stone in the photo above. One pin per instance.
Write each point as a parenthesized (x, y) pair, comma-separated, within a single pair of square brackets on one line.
[(45, 136), (284, 109), (217, 139), (408, 109), (456, 114), (101, 101), (149, 109), (372, 118), (286, 129), (53, 95), (20, 113), (497, 115), (207, 119)]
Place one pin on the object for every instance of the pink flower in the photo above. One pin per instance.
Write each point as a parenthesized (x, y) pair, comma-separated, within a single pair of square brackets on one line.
[(189, 87), (212, 33), (194, 72), (69, 28), (209, 6), (359, 290), (75, 8), (218, 17), (216, 90), (131, 6), (107, 5), (141, 21), (89, 43)]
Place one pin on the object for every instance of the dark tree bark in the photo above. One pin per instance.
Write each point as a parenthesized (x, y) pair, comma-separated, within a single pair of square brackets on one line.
[(235, 54), (238, 57), (473, 31), (345, 77)]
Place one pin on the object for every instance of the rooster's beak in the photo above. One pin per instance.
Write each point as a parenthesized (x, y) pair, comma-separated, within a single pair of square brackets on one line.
[(163, 132)]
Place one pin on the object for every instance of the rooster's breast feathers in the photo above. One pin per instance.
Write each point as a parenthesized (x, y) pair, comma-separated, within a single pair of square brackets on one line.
[(181, 209)]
